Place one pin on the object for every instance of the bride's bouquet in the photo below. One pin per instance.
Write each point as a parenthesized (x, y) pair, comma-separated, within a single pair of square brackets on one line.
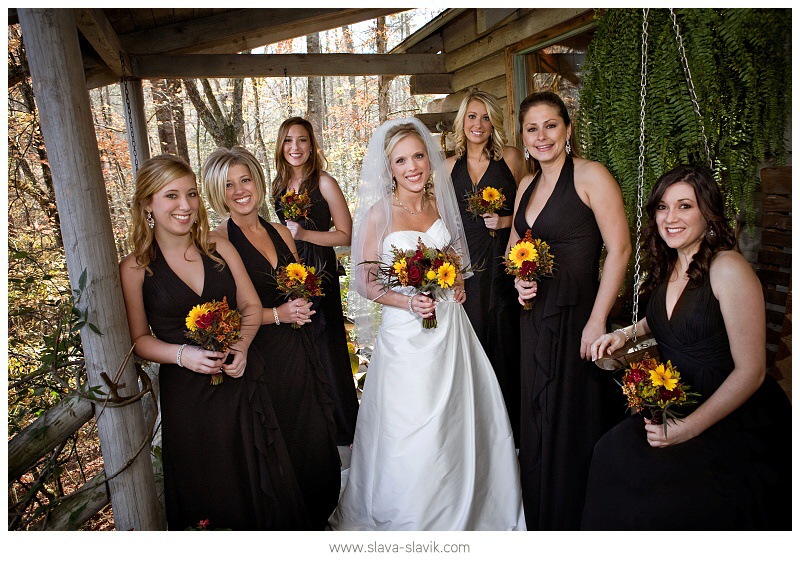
[(657, 387), (214, 326), (431, 271), (487, 200), (298, 280), (530, 259)]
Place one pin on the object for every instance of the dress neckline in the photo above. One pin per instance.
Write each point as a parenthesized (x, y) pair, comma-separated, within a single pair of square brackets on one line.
[(180, 279), (266, 226), (416, 231), (534, 182)]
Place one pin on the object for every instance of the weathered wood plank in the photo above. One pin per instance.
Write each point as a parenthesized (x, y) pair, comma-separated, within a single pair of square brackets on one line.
[(776, 238), (431, 84), (776, 297), (484, 70), (97, 30), (774, 277), (45, 433), (775, 258), (776, 221), (437, 122), (75, 511), (316, 64), (487, 18), (776, 180), (240, 30), (777, 204)]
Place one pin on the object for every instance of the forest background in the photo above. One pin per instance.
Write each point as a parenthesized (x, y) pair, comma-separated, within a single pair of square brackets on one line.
[(186, 117)]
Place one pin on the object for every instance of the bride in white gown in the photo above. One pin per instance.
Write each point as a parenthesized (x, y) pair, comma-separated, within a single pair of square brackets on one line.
[(433, 447)]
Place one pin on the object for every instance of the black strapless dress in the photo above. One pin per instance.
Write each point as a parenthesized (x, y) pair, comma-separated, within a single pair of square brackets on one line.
[(734, 476), (224, 456), (561, 417), (491, 304), (328, 323), (297, 384)]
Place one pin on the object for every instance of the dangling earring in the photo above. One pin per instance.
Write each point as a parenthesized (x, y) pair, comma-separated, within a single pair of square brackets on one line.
[(394, 184), (150, 222), (711, 232), (527, 154), (568, 147), (429, 185)]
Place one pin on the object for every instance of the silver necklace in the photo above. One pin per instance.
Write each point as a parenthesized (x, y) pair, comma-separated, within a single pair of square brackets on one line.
[(403, 205)]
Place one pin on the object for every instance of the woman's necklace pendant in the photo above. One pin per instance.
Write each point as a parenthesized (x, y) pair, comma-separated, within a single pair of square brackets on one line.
[(403, 205)]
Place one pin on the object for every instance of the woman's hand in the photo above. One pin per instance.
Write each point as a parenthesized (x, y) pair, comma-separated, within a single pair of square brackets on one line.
[(459, 294), (607, 344), (491, 220), (296, 311), (199, 360), (677, 431), (591, 332), (297, 231), (423, 305), (526, 290), (235, 369)]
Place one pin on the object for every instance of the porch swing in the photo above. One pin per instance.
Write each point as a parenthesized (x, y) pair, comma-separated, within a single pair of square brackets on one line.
[(635, 350)]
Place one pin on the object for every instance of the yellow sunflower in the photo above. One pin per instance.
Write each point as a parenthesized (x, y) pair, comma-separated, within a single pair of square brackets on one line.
[(296, 271), (491, 194), (399, 266), (447, 275), (196, 312), (665, 376), (522, 252)]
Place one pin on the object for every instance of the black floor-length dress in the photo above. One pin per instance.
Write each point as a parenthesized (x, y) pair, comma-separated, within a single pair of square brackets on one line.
[(491, 304), (297, 384), (224, 456), (328, 322), (736, 475), (561, 412)]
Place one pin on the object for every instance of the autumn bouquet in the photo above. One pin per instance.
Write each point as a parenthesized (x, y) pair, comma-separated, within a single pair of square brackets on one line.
[(656, 386), (431, 271), (295, 205), (214, 326), (529, 260), (297, 280), (487, 200)]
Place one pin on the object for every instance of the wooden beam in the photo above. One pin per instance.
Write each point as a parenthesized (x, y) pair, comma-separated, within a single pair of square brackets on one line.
[(488, 68), (97, 30), (437, 122), (67, 126), (75, 511), (324, 64), (239, 30), (431, 84)]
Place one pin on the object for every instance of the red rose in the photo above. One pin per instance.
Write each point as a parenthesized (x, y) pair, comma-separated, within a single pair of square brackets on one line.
[(418, 255), (637, 375), (204, 321), (438, 263), (667, 395), (528, 268), (414, 275)]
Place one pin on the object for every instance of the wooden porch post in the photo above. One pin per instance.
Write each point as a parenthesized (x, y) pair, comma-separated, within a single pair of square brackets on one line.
[(51, 43), (135, 123)]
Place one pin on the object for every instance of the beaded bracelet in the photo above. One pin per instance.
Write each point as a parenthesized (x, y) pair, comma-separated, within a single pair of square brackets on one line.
[(180, 353), (410, 308), (275, 312)]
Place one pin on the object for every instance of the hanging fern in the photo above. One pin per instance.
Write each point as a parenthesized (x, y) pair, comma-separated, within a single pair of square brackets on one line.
[(740, 65)]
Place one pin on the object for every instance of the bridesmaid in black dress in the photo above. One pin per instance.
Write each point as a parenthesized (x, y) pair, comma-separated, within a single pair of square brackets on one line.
[(296, 379), (576, 206), (224, 456), (300, 167), (483, 160), (727, 464)]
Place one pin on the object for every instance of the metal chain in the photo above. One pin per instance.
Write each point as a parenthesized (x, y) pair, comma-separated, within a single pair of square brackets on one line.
[(688, 74), (640, 181), (124, 82)]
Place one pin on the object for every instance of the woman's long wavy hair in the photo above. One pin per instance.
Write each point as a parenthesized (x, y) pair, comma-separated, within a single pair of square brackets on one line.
[(153, 175), (660, 258), (553, 100), (497, 142), (215, 176), (311, 169)]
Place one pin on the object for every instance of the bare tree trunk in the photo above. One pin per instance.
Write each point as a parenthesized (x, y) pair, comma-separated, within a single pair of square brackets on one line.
[(166, 127), (224, 127), (315, 107)]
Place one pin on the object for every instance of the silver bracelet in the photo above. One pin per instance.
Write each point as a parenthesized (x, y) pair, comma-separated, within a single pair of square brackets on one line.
[(624, 333), (410, 308), (180, 353), (275, 312), (381, 295)]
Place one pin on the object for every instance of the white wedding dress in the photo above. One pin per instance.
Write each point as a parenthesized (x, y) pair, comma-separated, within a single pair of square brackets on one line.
[(433, 447)]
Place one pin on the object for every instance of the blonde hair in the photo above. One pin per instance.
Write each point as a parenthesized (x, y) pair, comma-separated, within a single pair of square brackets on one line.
[(153, 175), (497, 142), (397, 134), (311, 169), (215, 176)]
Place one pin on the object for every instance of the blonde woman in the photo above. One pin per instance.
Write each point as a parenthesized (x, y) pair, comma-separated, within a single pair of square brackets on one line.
[(301, 167), (296, 380), (483, 160), (224, 458)]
